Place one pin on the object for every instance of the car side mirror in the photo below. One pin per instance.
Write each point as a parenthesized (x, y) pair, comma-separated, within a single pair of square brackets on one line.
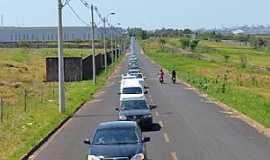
[(117, 109), (153, 106), (87, 141), (119, 93), (146, 139), (145, 92)]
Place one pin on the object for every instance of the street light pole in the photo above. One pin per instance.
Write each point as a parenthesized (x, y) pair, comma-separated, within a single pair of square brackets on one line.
[(104, 41), (112, 50), (93, 45), (61, 76)]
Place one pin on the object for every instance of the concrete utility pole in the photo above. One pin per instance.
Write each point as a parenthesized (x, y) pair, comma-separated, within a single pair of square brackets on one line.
[(2, 20), (104, 41), (61, 76), (112, 55), (93, 45)]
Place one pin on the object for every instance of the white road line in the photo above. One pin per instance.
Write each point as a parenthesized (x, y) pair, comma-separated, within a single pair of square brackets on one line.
[(166, 137), (157, 114), (161, 124), (173, 156)]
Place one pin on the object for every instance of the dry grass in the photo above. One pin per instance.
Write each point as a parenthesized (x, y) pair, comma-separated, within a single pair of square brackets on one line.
[(25, 68)]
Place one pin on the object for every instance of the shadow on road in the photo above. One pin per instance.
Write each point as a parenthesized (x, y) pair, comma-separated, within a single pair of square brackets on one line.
[(93, 115), (155, 127)]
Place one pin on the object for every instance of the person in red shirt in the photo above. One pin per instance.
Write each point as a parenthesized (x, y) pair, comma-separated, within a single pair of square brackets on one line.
[(161, 76)]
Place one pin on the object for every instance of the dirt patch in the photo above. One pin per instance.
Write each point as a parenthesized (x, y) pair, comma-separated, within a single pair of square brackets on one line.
[(15, 67)]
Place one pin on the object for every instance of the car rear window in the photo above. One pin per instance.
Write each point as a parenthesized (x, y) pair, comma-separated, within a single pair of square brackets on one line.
[(116, 136), (133, 105), (132, 90)]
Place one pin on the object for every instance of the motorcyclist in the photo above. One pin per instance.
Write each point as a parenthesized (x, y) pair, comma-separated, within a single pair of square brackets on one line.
[(161, 76), (173, 75)]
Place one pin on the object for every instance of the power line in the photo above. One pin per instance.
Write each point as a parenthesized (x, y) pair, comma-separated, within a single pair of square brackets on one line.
[(77, 15)]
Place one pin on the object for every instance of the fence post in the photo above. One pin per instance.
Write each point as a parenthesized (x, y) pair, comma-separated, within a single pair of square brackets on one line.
[(53, 92), (25, 100), (1, 110), (41, 95)]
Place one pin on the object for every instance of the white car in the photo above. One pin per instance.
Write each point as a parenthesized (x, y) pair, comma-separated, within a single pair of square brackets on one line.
[(131, 87)]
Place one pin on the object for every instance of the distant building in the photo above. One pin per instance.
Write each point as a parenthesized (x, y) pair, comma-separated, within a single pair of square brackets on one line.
[(46, 34), (238, 31)]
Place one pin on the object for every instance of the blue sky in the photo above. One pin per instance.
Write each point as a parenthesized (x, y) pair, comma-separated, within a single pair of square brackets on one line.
[(149, 14)]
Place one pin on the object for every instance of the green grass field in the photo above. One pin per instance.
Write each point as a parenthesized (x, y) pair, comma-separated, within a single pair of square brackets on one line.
[(25, 68), (243, 88)]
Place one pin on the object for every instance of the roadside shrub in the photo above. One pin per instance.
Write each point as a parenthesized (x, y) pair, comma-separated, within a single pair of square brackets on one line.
[(226, 58), (254, 80), (185, 43), (188, 43), (162, 43), (194, 44), (243, 61)]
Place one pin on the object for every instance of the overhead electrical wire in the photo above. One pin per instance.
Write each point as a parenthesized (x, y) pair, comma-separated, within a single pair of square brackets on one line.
[(77, 15)]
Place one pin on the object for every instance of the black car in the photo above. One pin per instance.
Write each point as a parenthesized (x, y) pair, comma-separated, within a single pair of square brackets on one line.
[(136, 109), (118, 140)]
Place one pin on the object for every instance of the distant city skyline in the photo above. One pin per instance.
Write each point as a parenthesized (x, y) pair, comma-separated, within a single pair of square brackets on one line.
[(147, 14)]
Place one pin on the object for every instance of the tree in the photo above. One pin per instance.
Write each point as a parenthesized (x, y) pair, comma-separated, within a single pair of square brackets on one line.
[(187, 31), (194, 44), (162, 42), (144, 35), (185, 43)]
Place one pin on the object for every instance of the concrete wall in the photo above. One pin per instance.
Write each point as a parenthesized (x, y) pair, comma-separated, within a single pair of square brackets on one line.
[(72, 67), (76, 68)]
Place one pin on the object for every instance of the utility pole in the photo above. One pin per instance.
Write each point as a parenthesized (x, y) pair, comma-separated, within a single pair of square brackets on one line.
[(61, 76), (112, 55), (104, 41), (93, 45), (115, 45), (2, 20)]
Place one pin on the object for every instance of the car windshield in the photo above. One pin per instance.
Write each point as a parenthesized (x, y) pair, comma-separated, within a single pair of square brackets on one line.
[(133, 72), (132, 90), (116, 136), (133, 105), (130, 77)]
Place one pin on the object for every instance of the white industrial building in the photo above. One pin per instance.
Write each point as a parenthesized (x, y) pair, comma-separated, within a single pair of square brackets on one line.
[(38, 34)]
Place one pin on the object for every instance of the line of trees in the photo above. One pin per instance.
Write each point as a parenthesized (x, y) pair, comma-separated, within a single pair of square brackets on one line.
[(252, 40)]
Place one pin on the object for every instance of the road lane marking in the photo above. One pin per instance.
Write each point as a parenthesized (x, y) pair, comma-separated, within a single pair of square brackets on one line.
[(173, 156), (157, 114), (166, 137), (151, 100), (161, 124)]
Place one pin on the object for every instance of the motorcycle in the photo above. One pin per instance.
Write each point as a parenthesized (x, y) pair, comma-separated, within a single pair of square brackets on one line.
[(173, 80), (161, 80)]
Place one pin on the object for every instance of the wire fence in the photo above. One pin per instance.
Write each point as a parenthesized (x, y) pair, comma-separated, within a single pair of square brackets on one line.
[(28, 100)]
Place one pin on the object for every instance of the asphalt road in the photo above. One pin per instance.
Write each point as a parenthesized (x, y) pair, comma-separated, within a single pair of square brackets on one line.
[(187, 126)]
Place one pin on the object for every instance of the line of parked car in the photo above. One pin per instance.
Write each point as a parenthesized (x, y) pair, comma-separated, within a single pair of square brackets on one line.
[(123, 139)]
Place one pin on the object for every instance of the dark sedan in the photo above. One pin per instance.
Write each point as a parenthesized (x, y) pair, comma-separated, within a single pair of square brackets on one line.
[(136, 109), (119, 140)]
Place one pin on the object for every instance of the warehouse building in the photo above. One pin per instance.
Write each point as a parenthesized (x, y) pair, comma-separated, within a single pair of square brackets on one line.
[(41, 34)]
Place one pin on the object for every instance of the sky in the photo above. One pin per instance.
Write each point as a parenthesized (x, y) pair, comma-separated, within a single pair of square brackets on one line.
[(148, 14)]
